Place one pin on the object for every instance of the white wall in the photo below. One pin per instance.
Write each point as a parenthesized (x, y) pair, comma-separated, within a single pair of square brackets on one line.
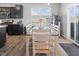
[(27, 10), (55, 8), (65, 18)]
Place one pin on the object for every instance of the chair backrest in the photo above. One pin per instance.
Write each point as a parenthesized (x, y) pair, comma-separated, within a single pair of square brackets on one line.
[(41, 35)]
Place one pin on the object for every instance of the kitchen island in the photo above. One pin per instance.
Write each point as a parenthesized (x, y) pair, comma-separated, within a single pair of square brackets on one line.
[(2, 35)]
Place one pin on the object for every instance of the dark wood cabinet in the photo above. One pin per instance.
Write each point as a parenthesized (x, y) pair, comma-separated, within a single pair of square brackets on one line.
[(11, 12), (4, 12), (16, 13)]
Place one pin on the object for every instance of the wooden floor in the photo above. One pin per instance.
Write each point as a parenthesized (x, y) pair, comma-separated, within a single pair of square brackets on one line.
[(15, 46), (19, 46)]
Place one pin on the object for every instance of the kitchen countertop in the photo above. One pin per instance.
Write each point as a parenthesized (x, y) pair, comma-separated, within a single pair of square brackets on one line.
[(3, 26)]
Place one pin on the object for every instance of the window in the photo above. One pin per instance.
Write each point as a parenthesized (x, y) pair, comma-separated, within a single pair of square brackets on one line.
[(40, 16)]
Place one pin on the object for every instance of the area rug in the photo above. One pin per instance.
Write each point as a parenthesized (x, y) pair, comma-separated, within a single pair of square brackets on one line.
[(71, 49)]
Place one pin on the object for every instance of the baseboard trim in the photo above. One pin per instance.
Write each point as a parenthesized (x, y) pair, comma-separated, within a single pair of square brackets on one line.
[(71, 40)]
